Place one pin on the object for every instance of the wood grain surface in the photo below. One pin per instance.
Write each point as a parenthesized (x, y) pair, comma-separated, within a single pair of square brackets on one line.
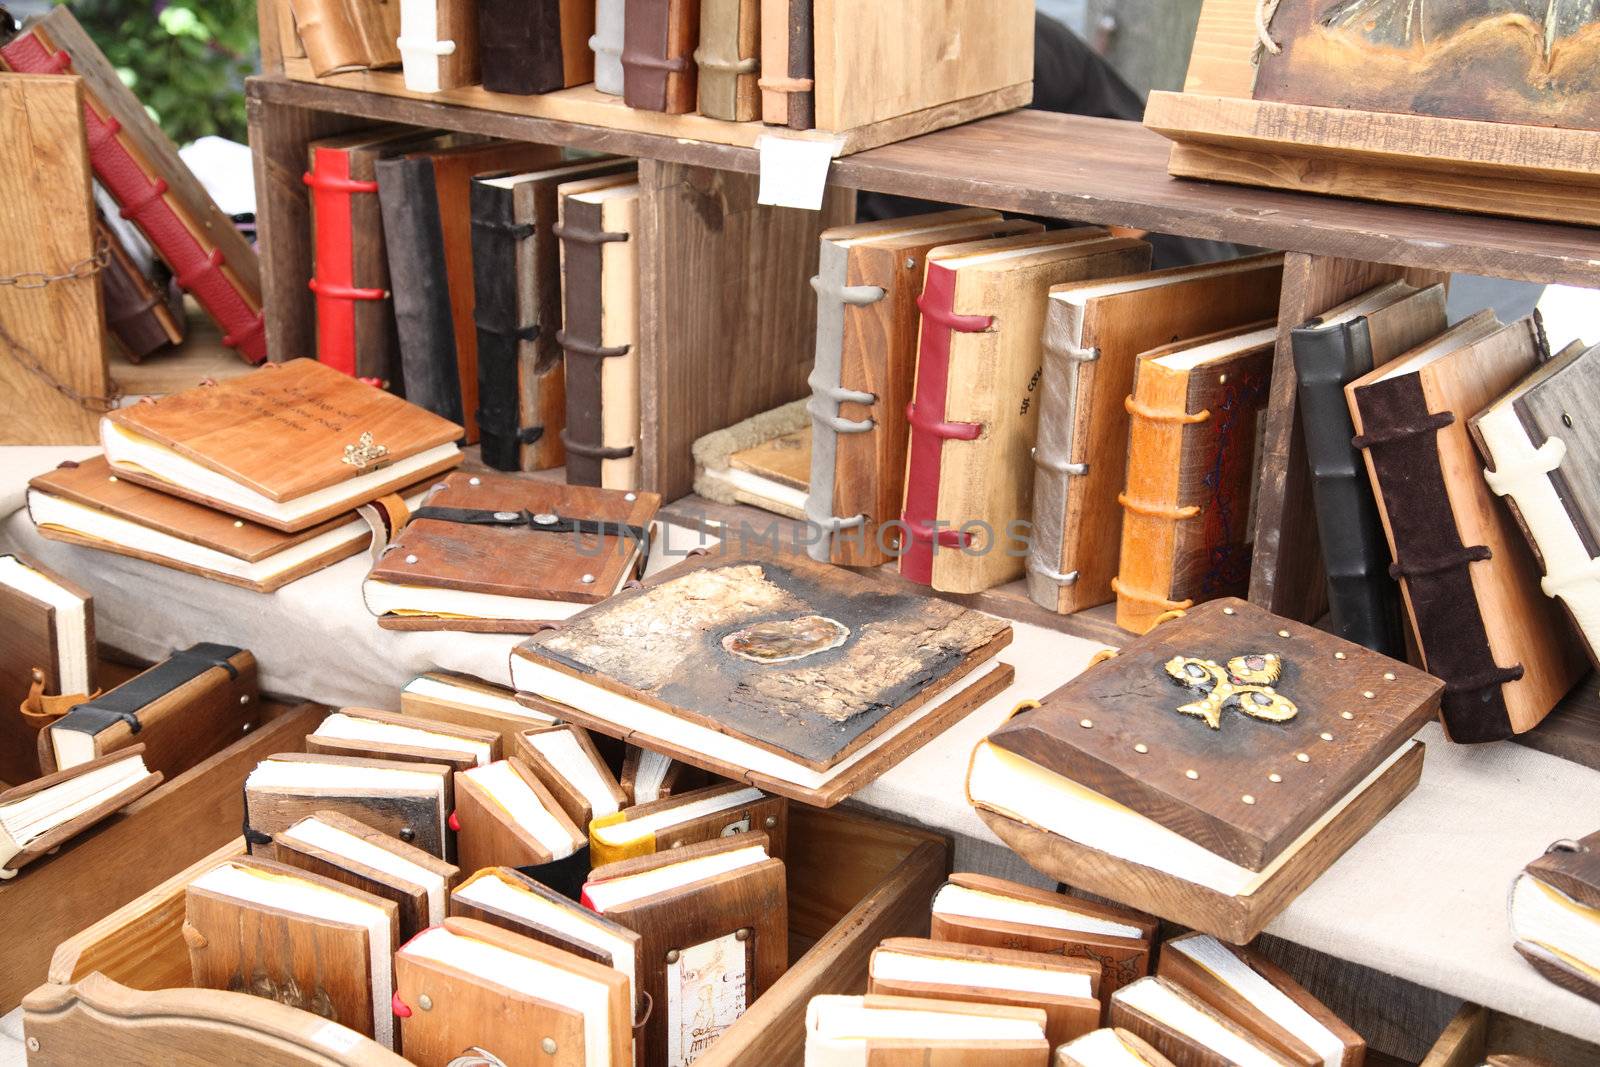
[(565, 793), (490, 837), (455, 759), (414, 817), (1176, 1044)]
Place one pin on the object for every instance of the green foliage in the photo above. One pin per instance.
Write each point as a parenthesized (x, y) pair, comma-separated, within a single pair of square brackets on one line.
[(186, 60)]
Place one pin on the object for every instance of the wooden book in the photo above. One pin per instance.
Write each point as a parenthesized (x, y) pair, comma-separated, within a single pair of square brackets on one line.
[(1470, 584), (788, 78), (410, 801), (505, 897), (1186, 1030), (464, 701), (1109, 1048), (260, 927), (1187, 534), (41, 816), (345, 35), (469, 992), (438, 44), (289, 447), (565, 760), (1242, 741), (708, 814), (974, 414), (885, 1031), (764, 461), (648, 776), (1543, 459), (869, 279), (700, 663), (505, 816), (713, 933), (975, 909), (85, 504), (143, 308), (658, 69), (600, 330), (729, 59), (1094, 333), (535, 47), (189, 706), (385, 736), (1555, 915), (504, 553), (1254, 993), (46, 626), (352, 853), (1066, 989)]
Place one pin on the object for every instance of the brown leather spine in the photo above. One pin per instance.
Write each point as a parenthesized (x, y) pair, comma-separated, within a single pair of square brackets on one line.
[(658, 67), (139, 314), (584, 241)]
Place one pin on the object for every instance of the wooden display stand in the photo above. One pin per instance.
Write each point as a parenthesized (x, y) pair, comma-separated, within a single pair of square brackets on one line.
[(1477, 1033)]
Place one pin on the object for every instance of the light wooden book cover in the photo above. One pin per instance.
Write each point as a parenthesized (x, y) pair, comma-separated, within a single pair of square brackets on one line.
[(909, 1043), (767, 814), (15, 854), (1177, 1044), (31, 640), (1091, 1050), (489, 835), (348, 35), (414, 813), (764, 461), (417, 751), (466, 701), (572, 799)]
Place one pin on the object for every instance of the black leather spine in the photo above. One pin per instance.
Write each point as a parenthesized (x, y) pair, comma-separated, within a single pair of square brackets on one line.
[(495, 236), (520, 46), (126, 701)]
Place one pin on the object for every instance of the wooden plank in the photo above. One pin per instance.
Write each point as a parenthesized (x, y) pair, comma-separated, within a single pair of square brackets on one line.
[(1572, 730), (50, 333), (1223, 41), (267, 34)]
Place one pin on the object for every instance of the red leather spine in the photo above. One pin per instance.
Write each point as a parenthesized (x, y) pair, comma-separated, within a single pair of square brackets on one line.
[(929, 430), (143, 200), (334, 272)]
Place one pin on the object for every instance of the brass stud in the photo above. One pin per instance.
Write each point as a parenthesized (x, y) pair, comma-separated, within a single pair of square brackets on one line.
[(742, 935), (33, 1044), (672, 955), (1369, 694), (407, 834), (1388, 676), (1087, 724), (548, 1046), (587, 579), (1222, 379), (1274, 777), (1227, 611), (245, 699), (238, 524), (1141, 748), (771, 823), (112, 478), (425, 1002), (1326, 736), (1283, 633), (1347, 715), (1248, 799), (1193, 776), (1302, 757), (474, 481), (677, 844), (630, 497), (411, 559), (1339, 655)]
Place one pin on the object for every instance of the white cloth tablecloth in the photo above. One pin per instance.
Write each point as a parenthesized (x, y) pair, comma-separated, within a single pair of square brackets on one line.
[(1423, 896)]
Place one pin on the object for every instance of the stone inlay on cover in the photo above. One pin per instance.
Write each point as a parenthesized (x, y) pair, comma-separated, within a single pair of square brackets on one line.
[(786, 640)]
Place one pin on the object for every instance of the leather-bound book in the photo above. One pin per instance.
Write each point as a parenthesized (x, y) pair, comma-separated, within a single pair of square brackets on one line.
[(1542, 456), (1066, 989), (535, 46), (565, 759), (658, 69), (438, 44), (713, 928), (1470, 583), (1256, 994), (260, 927), (382, 735), (290, 447), (607, 44), (1094, 333), (46, 639), (974, 412), (701, 662), (729, 58), (708, 814), (465, 701), (600, 330), (84, 504), (410, 801), (788, 88), (346, 35), (516, 270), (469, 992), (426, 199), (975, 909), (1330, 352), (143, 308), (1555, 912), (1109, 1048), (504, 554), (352, 853), (1188, 1031), (194, 703), (506, 815), (648, 776), (40, 816), (884, 1031), (869, 278), (1186, 529), (1245, 754)]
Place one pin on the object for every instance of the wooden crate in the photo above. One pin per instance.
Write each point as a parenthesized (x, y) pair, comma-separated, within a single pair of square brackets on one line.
[(1477, 1033), (853, 881)]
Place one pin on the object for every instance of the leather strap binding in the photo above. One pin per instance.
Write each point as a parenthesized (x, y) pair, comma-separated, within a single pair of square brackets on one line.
[(517, 231), (501, 333), (578, 347), (786, 85), (124, 703), (723, 64), (647, 61), (586, 235), (584, 239), (1400, 438), (647, 69), (588, 451)]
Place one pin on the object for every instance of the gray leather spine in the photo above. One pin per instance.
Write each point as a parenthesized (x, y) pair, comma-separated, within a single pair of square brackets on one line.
[(1052, 454), (606, 44)]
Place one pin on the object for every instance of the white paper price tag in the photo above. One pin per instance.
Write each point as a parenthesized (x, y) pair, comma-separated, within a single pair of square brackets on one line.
[(794, 172)]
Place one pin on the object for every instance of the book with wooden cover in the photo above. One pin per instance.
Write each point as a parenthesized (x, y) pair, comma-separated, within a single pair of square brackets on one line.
[(496, 552), (1066, 989), (975, 909), (648, 775), (763, 461), (1109, 1048), (505, 815), (260, 927), (382, 735), (1187, 533), (46, 635), (535, 46), (565, 759), (1542, 451), (411, 801), (345, 35), (40, 816), (466, 701), (884, 1031), (713, 929), (1470, 583), (469, 992), (974, 413), (729, 59), (869, 279), (289, 446), (439, 44), (658, 69), (1094, 333), (788, 85), (600, 330), (707, 660), (143, 308), (707, 814), (1187, 1030), (1555, 912)]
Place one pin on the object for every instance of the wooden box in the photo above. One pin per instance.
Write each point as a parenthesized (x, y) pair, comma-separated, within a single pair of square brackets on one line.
[(853, 881), (1477, 1033)]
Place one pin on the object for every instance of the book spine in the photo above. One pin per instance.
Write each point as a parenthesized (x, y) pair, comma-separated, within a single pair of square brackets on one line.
[(827, 396), (929, 430), (1363, 600), (543, 397), (655, 77), (334, 261), (583, 240), (377, 339), (331, 41), (1399, 435), (520, 50), (438, 45), (606, 44), (787, 82), (495, 240), (198, 266), (725, 68), (134, 305), (1059, 397)]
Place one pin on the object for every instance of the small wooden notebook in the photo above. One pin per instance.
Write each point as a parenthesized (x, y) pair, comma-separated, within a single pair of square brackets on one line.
[(764, 461), (289, 446), (648, 775), (1555, 915), (505, 816), (411, 801), (464, 701), (1109, 1048), (260, 927), (468, 992), (384, 736), (46, 625), (1186, 1030), (496, 552), (564, 758), (708, 814), (39, 817), (885, 1031)]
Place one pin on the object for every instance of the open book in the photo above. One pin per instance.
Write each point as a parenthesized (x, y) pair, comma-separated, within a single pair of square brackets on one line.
[(39, 816)]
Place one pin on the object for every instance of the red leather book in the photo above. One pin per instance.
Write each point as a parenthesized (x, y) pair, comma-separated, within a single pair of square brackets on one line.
[(332, 191), (197, 262)]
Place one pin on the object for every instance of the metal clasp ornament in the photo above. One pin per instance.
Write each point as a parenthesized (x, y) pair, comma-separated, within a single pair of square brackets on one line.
[(1246, 683), (365, 452)]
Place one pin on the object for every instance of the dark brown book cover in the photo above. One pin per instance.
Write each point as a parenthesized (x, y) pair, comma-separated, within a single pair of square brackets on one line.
[(535, 46), (30, 641), (504, 814), (144, 313), (659, 39), (708, 814)]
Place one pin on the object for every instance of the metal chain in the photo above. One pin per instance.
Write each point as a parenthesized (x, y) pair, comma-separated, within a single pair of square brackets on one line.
[(84, 268), (87, 268)]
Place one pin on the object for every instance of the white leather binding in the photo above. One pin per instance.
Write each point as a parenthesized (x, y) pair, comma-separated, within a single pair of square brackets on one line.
[(419, 44), (606, 44)]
